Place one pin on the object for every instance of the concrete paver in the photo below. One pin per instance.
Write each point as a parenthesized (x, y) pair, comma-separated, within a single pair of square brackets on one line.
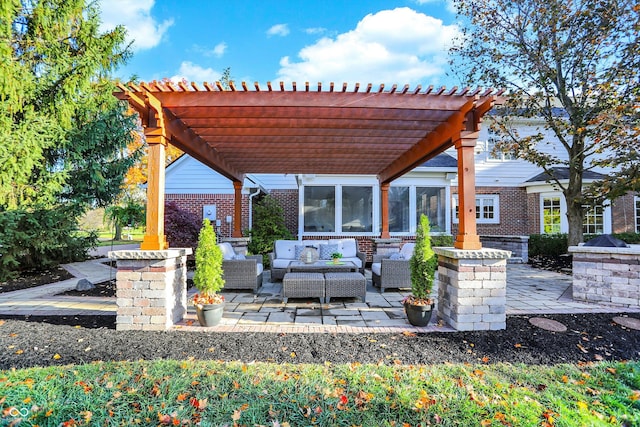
[(529, 291)]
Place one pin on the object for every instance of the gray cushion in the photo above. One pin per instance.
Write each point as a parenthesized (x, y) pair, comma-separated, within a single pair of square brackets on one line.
[(327, 250)]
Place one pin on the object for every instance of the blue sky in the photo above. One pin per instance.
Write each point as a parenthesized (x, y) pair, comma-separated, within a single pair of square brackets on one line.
[(363, 41)]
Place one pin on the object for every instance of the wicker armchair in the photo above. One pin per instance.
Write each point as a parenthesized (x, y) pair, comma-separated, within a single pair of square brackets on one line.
[(392, 273), (241, 273)]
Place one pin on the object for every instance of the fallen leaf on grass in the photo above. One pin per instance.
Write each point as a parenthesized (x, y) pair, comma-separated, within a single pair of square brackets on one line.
[(635, 395)]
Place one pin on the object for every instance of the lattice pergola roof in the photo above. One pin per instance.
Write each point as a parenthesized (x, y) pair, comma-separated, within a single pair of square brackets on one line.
[(310, 130), (333, 130)]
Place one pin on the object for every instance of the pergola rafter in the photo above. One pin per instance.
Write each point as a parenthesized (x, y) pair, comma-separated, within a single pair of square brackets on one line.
[(308, 130)]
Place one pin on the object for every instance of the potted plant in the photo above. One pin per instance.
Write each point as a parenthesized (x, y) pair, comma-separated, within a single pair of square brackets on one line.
[(335, 256), (208, 277), (423, 264)]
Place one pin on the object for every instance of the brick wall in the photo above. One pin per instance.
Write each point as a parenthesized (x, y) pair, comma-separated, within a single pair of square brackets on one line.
[(224, 207), (623, 214), (514, 218), (288, 199)]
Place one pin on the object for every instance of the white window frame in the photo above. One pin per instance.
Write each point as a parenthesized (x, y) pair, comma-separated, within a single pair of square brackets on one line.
[(564, 223), (413, 215), (338, 210), (496, 204)]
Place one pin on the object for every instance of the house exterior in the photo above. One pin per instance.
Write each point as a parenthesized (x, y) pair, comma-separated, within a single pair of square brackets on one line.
[(513, 198)]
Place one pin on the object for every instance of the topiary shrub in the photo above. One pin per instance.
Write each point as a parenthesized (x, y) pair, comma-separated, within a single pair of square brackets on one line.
[(181, 226), (423, 265), (268, 226), (442, 240), (208, 275)]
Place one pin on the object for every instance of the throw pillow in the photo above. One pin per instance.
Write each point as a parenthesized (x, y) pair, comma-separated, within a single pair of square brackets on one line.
[(327, 250), (298, 251)]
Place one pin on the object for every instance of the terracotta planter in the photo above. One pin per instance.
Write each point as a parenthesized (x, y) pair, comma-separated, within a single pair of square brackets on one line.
[(209, 314), (418, 315)]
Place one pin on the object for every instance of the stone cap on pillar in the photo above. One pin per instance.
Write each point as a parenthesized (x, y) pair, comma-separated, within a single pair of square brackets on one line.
[(138, 254), (484, 253)]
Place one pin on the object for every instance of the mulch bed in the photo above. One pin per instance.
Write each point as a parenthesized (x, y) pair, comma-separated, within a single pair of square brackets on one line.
[(34, 341), (33, 278)]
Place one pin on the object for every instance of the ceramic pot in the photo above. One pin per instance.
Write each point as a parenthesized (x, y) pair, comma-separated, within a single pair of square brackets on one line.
[(209, 314), (418, 315)]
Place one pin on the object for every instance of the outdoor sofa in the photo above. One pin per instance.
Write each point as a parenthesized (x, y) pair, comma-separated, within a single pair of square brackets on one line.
[(240, 271), (285, 251)]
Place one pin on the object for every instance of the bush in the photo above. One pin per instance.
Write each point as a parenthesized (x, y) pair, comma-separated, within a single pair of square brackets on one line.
[(631, 238), (41, 239), (548, 244), (268, 226), (423, 262), (181, 227), (208, 275), (442, 240)]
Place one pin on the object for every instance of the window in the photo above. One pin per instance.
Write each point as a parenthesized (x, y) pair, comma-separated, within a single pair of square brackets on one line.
[(637, 203), (431, 202), (493, 153), (551, 216), (357, 209), (337, 209), (593, 220), (319, 209), (399, 212), (487, 209)]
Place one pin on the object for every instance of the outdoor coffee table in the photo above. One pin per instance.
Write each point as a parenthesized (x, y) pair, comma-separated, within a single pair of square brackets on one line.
[(322, 266)]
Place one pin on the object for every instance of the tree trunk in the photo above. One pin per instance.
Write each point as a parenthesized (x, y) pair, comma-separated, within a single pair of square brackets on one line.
[(118, 233), (575, 219)]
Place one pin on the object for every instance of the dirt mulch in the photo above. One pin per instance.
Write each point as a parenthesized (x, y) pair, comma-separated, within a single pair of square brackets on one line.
[(33, 278), (589, 337)]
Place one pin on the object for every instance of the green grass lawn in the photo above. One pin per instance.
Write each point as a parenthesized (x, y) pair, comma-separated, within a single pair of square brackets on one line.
[(237, 394)]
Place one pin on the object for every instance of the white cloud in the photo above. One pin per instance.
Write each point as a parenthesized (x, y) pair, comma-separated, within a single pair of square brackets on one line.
[(278, 30), (315, 30), (219, 49), (391, 46), (135, 16), (195, 73)]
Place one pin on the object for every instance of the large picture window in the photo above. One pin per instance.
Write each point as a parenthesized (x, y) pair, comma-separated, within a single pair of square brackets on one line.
[(357, 209), (399, 211), (406, 204), (319, 209), (431, 202)]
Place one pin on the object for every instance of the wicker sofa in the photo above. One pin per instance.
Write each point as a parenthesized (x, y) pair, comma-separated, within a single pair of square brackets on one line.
[(284, 251), (392, 270), (241, 271)]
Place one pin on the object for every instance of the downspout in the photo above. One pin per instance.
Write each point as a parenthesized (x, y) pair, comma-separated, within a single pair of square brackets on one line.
[(251, 196)]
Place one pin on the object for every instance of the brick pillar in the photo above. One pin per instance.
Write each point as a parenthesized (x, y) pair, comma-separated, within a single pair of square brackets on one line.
[(604, 275), (386, 246), (151, 288), (472, 292)]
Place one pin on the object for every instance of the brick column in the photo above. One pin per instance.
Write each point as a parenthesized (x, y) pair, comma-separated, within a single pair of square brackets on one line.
[(151, 288), (609, 276), (472, 292)]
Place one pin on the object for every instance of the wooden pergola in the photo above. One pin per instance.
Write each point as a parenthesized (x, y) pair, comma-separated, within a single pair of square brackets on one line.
[(308, 130)]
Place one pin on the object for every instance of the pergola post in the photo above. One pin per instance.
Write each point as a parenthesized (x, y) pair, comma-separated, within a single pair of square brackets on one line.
[(467, 237), (384, 205), (237, 209), (154, 238)]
